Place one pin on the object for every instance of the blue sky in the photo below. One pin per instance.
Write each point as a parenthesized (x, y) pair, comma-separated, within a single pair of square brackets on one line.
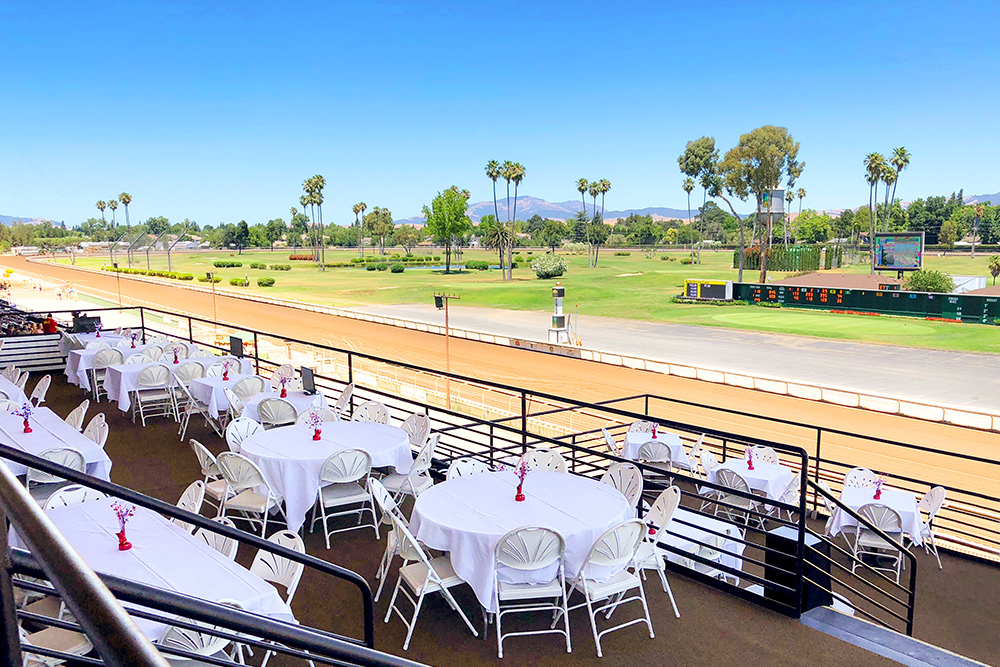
[(218, 111)]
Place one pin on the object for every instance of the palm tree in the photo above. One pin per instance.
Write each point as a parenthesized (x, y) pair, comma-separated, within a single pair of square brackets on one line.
[(873, 174), (900, 160), (113, 204), (688, 186), (362, 207), (889, 178), (305, 201), (801, 194), (789, 197), (493, 173), (294, 212), (126, 199), (517, 175), (605, 186), (101, 205), (979, 211), (581, 186), (507, 174), (318, 184)]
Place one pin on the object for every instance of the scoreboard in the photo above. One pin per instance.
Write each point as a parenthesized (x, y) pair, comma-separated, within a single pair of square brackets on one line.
[(799, 296), (717, 290)]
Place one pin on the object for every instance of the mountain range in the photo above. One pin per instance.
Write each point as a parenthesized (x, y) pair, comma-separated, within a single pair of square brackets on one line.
[(12, 219), (993, 199), (528, 206)]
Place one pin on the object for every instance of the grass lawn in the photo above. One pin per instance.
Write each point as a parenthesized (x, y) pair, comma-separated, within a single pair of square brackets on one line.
[(635, 287)]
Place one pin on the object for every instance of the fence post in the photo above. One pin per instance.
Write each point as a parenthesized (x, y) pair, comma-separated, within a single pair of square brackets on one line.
[(647, 405), (350, 368), (256, 354), (142, 323), (800, 547), (819, 444), (524, 423), (190, 330)]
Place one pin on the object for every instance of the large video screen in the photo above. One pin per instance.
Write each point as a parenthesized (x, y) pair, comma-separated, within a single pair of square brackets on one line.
[(899, 251)]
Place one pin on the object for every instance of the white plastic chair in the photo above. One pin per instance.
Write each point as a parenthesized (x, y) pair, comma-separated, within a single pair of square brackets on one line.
[(627, 479), (658, 455), (99, 367), (188, 371), (279, 570), (394, 546), (191, 500), (614, 448), (125, 344), (243, 479), (285, 370), (227, 546), (137, 359), (155, 353), (372, 411), (420, 577), (658, 518), (867, 541), (248, 387), (97, 430), (236, 405), (418, 479), (418, 428), (22, 381), (97, 345), (239, 430), (343, 481), (343, 405), (694, 457), (642, 426), (790, 495), (78, 414), (188, 406), (53, 638), (526, 550), (931, 503), (765, 454), (215, 485), (325, 414), (616, 549), (41, 485), (182, 352), (203, 644), (215, 370), (466, 468), (154, 394), (542, 459), (38, 393), (861, 478), (274, 412), (736, 506), (72, 494)]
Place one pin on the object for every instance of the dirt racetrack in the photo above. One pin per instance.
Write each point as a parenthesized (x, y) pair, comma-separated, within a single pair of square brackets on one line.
[(574, 378)]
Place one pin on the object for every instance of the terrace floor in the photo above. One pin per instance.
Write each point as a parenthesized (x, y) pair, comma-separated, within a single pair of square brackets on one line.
[(956, 609)]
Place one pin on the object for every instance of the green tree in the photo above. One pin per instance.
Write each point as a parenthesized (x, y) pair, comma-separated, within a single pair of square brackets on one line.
[(157, 225), (493, 235), (812, 227), (516, 174), (900, 160), (274, 230), (494, 172), (949, 233), (928, 280), (101, 205), (407, 237), (700, 161), (379, 224), (598, 233), (874, 163), (552, 234), (241, 235), (126, 199), (446, 219), (994, 266), (688, 186), (113, 205)]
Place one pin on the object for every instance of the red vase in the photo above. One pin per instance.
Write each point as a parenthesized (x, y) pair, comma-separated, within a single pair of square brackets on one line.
[(176, 360), (750, 464), (878, 494), (317, 434), (225, 376), (133, 345), (520, 495), (123, 544), (284, 392), (27, 426), (98, 334)]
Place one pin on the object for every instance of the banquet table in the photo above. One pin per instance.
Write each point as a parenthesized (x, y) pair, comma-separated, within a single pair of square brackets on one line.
[(50, 431), (211, 390), (162, 555), (770, 478), (120, 380), (299, 399), (291, 460), (14, 393), (78, 362), (107, 336), (634, 441), (688, 527), (904, 502), (468, 515)]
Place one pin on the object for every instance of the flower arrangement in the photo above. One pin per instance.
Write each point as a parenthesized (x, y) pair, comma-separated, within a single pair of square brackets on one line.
[(284, 380), (134, 336), (749, 459), (654, 430), (878, 488), (124, 513), (521, 472), (97, 328), (227, 365), (316, 422), (25, 412), (176, 351)]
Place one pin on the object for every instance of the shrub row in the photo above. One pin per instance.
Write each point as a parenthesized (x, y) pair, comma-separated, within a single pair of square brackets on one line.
[(280, 267), (378, 259), (306, 258), (227, 264), (238, 282), (173, 275), (623, 254), (477, 264), (266, 281), (204, 279)]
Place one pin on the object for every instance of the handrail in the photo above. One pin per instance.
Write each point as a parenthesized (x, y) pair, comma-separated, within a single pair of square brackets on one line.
[(113, 633), (173, 511)]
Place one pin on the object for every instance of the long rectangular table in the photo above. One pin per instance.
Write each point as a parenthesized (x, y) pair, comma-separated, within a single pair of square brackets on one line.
[(120, 380), (50, 431), (78, 362), (162, 555)]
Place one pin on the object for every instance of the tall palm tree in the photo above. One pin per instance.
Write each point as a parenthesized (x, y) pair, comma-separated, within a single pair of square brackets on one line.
[(493, 172), (873, 174), (113, 204), (507, 174), (318, 184), (801, 194), (789, 197), (517, 175), (126, 199), (979, 211), (900, 160), (101, 205), (361, 249), (305, 201), (889, 178), (582, 185), (294, 212), (605, 186), (688, 186)]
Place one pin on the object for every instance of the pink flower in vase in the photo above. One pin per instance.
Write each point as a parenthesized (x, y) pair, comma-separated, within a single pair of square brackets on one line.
[(25, 412), (654, 431), (97, 328), (176, 359), (878, 489), (134, 337), (521, 472), (123, 513), (226, 366), (283, 379), (316, 423), (749, 459)]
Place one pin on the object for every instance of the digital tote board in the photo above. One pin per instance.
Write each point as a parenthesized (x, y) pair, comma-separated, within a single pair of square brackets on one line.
[(899, 251)]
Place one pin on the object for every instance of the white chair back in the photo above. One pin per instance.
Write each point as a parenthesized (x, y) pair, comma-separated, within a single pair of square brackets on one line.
[(64, 456), (285, 370), (466, 468), (617, 546), (215, 370), (348, 465), (343, 405), (654, 451), (791, 492), (627, 479), (708, 461), (236, 405), (530, 548), (545, 460), (382, 497), (73, 494), (276, 412), (932, 501), (882, 517), (8, 406), (97, 345), (325, 414), (239, 430), (185, 639), (662, 510), (278, 569), (240, 472), (860, 477), (191, 500), (424, 458), (418, 427), (206, 460), (249, 387), (155, 353), (642, 427), (613, 447), (22, 381), (190, 370), (153, 376), (136, 359), (732, 480), (124, 344), (227, 546), (38, 393), (107, 357), (182, 351), (93, 427), (78, 414), (765, 454), (372, 411)]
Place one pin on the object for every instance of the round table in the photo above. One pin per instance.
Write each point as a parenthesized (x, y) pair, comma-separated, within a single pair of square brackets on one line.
[(467, 516), (300, 400), (291, 460)]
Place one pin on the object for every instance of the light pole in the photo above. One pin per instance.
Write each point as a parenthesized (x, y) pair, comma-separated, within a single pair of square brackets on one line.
[(215, 307), (441, 301), (119, 277)]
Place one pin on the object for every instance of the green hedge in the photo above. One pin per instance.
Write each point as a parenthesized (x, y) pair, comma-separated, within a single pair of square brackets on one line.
[(397, 268), (204, 279), (477, 265), (279, 267), (370, 267), (779, 258), (226, 264), (238, 282), (266, 281), (173, 275), (384, 266), (258, 265)]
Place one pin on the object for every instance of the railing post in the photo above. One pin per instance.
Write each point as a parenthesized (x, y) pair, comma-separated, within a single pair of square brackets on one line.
[(10, 645), (647, 405), (190, 330), (524, 423), (819, 444), (142, 323), (725, 449), (350, 368), (800, 547), (256, 354)]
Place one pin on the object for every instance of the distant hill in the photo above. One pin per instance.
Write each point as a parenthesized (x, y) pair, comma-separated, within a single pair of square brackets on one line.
[(528, 206), (11, 219), (993, 199)]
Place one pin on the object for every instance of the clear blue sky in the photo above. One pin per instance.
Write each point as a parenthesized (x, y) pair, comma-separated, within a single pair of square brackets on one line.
[(218, 111)]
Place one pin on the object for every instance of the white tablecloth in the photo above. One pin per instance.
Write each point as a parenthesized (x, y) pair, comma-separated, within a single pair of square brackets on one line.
[(301, 400), (84, 338), (49, 431), (78, 362), (291, 460), (211, 390), (634, 441), (679, 535), (14, 393), (162, 555), (468, 515), (771, 478), (903, 502), (120, 381)]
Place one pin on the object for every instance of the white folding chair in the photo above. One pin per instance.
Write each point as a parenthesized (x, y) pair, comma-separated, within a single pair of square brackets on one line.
[(227, 546), (325, 414), (215, 485), (78, 414), (190, 406), (155, 353), (656, 454), (931, 503), (239, 430), (658, 518), (215, 370), (765, 454), (274, 412), (343, 405), (542, 459), (694, 457), (708, 464), (154, 394), (868, 542), (236, 405), (41, 485), (790, 496), (627, 479), (97, 430), (188, 371), (466, 468), (861, 478), (614, 448), (96, 345), (124, 344), (343, 481), (372, 411), (22, 381), (248, 387), (38, 393), (285, 370), (523, 550), (421, 577), (99, 367), (72, 494), (243, 481), (394, 546), (204, 644), (279, 570), (54, 639), (739, 505), (418, 479), (641, 426), (182, 352), (616, 549), (137, 359), (418, 428), (191, 500)]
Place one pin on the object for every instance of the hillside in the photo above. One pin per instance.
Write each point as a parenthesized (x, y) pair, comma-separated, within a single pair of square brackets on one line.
[(528, 206)]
